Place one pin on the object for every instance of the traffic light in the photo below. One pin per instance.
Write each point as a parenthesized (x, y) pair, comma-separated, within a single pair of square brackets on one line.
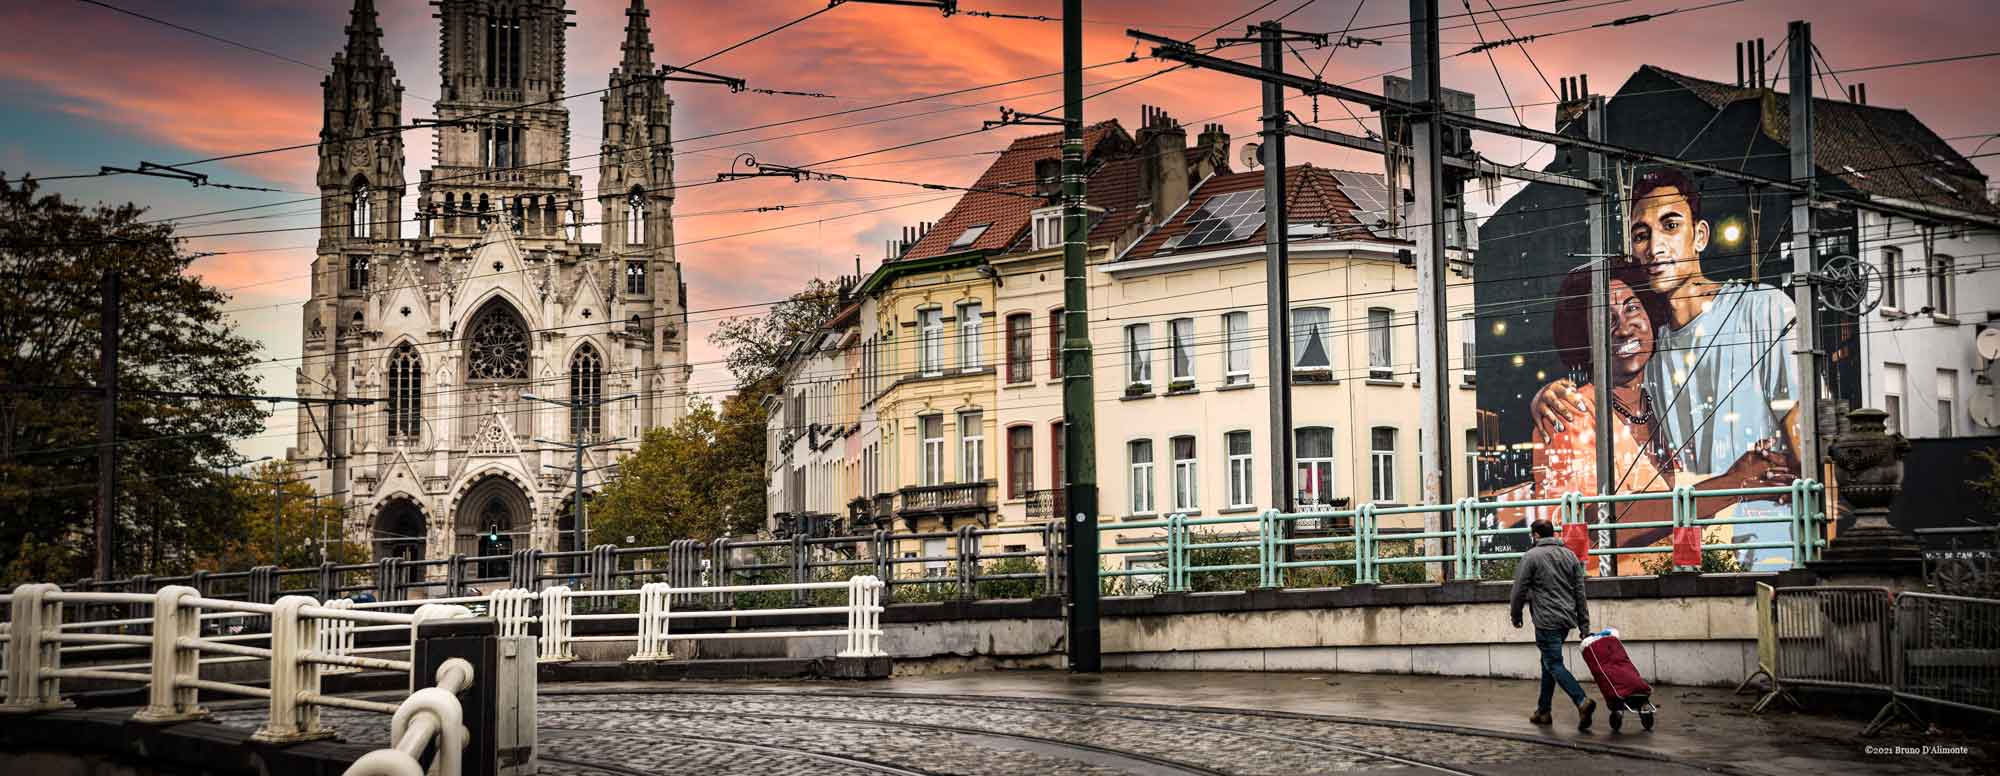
[(492, 532)]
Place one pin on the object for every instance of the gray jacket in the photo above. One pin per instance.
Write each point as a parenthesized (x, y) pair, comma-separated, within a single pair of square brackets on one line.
[(1550, 579)]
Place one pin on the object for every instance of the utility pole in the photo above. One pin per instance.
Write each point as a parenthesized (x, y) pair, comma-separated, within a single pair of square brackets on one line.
[(322, 518), (1805, 253), (1277, 277), (1427, 151), (1601, 253), (278, 516), (107, 424), (578, 445), (1079, 408)]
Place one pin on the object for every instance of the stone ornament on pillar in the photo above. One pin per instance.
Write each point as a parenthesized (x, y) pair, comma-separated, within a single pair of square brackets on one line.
[(1872, 551)]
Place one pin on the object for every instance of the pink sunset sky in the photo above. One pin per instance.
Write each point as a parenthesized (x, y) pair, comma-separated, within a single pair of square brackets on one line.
[(86, 86)]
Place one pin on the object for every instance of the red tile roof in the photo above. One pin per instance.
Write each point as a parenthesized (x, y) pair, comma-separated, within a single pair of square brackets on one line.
[(1014, 170), (1312, 195)]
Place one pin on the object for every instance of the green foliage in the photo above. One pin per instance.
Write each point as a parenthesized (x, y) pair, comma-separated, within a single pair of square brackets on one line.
[(1712, 562), (757, 345), (1011, 588), (175, 338), (276, 489), (700, 478), (1987, 483), (1501, 568)]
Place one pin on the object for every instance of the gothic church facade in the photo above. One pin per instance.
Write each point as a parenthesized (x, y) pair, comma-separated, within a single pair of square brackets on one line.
[(482, 322)]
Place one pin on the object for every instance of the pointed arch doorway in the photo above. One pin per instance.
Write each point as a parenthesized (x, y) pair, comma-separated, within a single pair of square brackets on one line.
[(492, 515)]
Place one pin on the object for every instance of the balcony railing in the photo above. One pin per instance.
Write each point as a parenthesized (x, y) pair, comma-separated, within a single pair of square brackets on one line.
[(1045, 504), (949, 499)]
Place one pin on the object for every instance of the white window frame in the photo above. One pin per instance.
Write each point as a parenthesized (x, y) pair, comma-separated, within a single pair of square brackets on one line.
[(1187, 473), (933, 448), (1309, 466), (1947, 403), (1892, 284), (1381, 343), (936, 547), (1236, 348), (972, 446), (1048, 228), (930, 341), (970, 316), (1242, 471), (1895, 378), (1139, 479), (1301, 335), (1941, 284), (1180, 349), (1468, 349), (1139, 354), (1382, 466)]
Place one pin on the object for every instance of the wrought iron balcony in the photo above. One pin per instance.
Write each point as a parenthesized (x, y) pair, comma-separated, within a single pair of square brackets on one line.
[(1045, 504)]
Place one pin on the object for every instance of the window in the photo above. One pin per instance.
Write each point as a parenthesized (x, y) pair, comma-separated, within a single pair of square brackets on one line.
[(969, 319), (1471, 463), (1180, 339), (1139, 354), (406, 393), (1309, 345), (362, 214), (1020, 461), (635, 217), (357, 273), (1947, 399), (1892, 395), (1055, 343), (1378, 344), (503, 52), (586, 390), (930, 343), (1048, 228), (1468, 351), (936, 557), (972, 446), (635, 277), (1020, 348), (1186, 475), (1236, 348), (966, 238), (1892, 284), (1382, 459), (1140, 452), (931, 429), (1057, 466), (497, 346), (1940, 273), (1312, 449), (1240, 461)]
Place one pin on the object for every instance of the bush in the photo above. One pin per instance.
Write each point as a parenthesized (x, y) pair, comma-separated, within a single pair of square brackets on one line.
[(1712, 562), (1011, 588)]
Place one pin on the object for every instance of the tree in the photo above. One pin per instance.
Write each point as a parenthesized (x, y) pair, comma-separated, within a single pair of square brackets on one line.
[(757, 344), (686, 481), (175, 339), (292, 541)]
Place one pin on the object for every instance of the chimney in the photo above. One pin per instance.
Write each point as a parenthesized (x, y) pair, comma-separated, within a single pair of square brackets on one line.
[(1214, 145), (1048, 178), (1163, 168), (1739, 64)]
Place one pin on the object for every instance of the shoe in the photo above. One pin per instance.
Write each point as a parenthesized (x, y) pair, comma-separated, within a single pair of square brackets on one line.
[(1541, 718), (1583, 712)]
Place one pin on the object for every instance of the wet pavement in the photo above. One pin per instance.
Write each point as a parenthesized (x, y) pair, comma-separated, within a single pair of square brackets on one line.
[(1044, 722)]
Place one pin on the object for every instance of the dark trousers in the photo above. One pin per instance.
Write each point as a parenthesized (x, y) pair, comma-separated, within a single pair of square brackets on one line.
[(1550, 642)]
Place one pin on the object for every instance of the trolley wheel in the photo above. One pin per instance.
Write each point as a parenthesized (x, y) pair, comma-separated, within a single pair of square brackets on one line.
[(1617, 721), (1646, 719)]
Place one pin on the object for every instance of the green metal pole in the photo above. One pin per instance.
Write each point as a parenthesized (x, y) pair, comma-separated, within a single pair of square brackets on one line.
[(1079, 412)]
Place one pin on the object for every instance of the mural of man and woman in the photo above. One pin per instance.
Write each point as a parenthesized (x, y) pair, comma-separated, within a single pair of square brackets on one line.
[(1702, 383)]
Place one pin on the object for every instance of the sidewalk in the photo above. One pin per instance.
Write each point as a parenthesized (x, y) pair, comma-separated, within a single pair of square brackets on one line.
[(1696, 725)]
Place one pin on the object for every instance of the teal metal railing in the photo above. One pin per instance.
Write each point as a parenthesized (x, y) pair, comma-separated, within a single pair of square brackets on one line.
[(1459, 545)]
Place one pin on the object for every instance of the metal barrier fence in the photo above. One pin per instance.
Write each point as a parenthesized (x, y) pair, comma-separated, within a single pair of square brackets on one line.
[(1360, 557), (1909, 647)]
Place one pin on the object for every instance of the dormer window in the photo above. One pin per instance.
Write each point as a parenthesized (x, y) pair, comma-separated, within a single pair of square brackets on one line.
[(1047, 224)]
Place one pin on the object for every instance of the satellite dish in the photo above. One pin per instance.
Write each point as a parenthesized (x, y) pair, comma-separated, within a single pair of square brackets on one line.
[(1253, 156), (1988, 343)]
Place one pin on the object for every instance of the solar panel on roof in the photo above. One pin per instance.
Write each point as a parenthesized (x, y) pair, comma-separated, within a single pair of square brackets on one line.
[(1371, 200), (1223, 218)]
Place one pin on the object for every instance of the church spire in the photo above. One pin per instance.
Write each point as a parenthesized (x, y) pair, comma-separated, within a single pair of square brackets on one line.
[(638, 40), (364, 36)]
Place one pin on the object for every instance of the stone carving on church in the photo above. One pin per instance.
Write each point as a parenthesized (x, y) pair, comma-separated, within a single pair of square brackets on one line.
[(499, 348)]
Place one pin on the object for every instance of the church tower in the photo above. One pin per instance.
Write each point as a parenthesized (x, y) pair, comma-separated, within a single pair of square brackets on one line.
[(361, 190), (635, 196), (503, 141)]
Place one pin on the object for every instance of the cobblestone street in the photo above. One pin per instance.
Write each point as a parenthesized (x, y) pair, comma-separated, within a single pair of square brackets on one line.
[(1046, 722)]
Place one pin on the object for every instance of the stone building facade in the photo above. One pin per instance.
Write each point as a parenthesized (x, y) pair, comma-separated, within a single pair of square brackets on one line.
[(495, 300)]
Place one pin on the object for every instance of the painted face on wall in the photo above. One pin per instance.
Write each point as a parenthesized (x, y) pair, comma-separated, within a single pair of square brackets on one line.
[(1631, 335), (1666, 239)]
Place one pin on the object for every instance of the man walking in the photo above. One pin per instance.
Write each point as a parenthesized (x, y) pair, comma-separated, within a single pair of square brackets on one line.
[(1550, 580)]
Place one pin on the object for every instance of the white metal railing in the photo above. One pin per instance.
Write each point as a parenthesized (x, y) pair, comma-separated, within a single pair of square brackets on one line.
[(653, 629), (432, 712)]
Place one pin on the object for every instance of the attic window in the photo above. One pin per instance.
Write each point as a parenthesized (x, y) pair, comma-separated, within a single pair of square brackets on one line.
[(1306, 230), (1854, 172), (968, 237), (1940, 184)]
